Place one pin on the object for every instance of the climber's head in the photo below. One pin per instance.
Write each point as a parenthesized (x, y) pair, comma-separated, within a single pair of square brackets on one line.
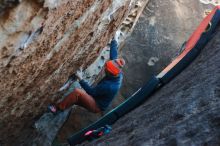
[(114, 67)]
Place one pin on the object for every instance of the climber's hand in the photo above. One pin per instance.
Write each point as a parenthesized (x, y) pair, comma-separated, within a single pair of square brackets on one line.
[(116, 36), (79, 74)]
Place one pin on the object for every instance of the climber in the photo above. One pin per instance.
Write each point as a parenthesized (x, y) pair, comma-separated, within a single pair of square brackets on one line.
[(96, 99)]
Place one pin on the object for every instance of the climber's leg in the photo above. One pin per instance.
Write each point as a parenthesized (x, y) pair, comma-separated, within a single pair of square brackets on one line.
[(79, 97)]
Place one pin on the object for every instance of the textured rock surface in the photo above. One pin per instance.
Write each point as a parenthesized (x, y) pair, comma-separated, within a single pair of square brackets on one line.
[(5, 4), (32, 69), (157, 37), (186, 111)]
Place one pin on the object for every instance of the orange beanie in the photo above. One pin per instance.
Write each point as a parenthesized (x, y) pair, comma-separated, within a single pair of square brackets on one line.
[(114, 66)]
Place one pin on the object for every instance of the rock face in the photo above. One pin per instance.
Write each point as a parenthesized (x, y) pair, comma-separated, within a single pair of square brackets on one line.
[(186, 111), (42, 43), (157, 38)]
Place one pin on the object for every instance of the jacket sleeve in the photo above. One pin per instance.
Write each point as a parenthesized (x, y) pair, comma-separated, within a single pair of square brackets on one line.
[(93, 91), (113, 49), (90, 90)]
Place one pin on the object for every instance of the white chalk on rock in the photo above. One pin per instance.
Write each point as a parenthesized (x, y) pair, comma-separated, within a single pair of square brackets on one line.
[(51, 3), (213, 2), (152, 61)]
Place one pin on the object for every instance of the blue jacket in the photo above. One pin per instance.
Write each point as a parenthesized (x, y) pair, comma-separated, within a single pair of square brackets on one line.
[(105, 91)]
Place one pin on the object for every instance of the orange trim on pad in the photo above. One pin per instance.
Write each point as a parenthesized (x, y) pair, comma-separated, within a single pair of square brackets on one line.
[(192, 40)]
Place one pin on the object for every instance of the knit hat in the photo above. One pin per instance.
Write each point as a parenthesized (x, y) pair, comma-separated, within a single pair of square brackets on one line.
[(114, 66)]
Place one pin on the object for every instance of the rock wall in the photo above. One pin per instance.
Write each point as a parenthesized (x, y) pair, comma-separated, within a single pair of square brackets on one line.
[(42, 44)]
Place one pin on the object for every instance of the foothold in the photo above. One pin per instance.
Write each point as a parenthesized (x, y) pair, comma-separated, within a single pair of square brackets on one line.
[(4, 52), (121, 34), (91, 34), (20, 48), (102, 57), (110, 17)]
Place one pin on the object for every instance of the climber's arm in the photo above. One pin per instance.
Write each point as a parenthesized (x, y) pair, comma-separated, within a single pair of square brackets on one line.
[(84, 84), (113, 49), (98, 90)]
